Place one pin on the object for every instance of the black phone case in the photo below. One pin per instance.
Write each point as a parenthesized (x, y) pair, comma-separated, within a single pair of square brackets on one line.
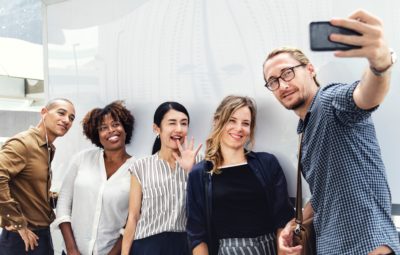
[(319, 37)]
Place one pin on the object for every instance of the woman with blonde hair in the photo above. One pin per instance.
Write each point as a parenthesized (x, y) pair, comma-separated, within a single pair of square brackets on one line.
[(237, 199)]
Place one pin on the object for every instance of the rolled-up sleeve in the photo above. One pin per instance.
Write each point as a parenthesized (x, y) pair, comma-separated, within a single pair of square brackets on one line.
[(66, 195), (344, 106), (196, 222), (12, 161)]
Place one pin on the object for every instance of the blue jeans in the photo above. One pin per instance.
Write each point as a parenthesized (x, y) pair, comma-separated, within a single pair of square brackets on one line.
[(11, 243)]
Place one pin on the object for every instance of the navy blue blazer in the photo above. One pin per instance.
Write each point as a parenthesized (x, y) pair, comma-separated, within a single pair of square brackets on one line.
[(267, 170)]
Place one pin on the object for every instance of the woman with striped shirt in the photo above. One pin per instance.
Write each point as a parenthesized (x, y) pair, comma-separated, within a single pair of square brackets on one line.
[(237, 198), (157, 218)]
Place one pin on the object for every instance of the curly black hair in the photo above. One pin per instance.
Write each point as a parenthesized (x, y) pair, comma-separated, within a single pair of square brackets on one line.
[(94, 118)]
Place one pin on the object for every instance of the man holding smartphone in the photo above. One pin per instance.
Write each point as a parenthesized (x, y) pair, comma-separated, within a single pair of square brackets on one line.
[(341, 159), (25, 180)]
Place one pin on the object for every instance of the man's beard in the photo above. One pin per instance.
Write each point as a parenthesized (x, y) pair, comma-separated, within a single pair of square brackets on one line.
[(296, 105)]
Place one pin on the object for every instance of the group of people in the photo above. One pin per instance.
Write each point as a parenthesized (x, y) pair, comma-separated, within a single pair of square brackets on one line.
[(231, 200)]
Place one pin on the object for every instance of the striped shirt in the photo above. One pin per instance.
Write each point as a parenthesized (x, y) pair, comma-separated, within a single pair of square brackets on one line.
[(163, 196), (262, 245)]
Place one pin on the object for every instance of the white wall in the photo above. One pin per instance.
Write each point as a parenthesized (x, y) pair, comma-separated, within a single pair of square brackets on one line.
[(196, 52)]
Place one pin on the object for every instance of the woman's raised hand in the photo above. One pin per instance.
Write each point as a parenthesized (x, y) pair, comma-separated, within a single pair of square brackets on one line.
[(187, 156)]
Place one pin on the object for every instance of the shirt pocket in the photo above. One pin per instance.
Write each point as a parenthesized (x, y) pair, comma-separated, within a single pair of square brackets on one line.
[(155, 200), (154, 192)]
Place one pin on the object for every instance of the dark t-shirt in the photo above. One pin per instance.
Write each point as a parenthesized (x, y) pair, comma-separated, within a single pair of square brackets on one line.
[(239, 204)]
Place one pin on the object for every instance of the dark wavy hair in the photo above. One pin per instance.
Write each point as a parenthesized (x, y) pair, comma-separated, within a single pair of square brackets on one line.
[(94, 118), (159, 114)]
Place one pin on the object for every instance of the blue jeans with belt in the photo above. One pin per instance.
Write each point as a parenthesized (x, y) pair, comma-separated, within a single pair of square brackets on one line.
[(11, 243)]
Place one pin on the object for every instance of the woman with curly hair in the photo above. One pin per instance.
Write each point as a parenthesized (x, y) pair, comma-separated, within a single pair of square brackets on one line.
[(237, 199), (93, 201)]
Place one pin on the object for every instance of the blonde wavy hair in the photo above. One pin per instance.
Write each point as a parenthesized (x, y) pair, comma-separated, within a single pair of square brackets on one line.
[(222, 115)]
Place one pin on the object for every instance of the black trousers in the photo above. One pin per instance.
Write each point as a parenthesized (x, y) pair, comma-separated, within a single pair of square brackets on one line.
[(166, 243), (11, 243)]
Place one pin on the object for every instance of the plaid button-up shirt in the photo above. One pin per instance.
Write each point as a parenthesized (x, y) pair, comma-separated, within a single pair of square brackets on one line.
[(342, 163)]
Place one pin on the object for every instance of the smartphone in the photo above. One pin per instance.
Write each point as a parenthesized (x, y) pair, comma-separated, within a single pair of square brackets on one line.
[(319, 37)]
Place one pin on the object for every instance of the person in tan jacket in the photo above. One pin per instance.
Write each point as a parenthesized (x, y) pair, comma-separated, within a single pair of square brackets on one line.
[(25, 180)]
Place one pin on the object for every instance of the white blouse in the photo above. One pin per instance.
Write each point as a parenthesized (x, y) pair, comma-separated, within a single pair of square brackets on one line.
[(163, 196), (96, 207)]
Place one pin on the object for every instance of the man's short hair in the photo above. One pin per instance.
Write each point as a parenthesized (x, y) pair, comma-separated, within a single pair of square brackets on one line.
[(53, 102), (296, 53)]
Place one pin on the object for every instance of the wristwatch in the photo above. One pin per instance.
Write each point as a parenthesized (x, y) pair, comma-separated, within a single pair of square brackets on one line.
[(393, 58)]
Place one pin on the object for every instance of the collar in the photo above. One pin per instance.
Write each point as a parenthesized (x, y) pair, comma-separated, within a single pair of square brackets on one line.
[(250, 155), (303, 123), (41, 140), (157, 156)]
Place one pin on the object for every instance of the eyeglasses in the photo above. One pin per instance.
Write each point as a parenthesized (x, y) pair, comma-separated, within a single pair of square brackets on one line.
[(113, 125), (287, 75)]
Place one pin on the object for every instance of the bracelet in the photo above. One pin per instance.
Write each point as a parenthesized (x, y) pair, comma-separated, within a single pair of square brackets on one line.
[(393, 59)]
